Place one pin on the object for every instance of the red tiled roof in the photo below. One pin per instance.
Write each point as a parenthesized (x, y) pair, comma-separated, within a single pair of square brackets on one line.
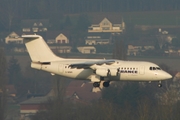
[(83, 90)]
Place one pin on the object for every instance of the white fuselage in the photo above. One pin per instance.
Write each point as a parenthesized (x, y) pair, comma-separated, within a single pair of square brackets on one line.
[(128, 70)]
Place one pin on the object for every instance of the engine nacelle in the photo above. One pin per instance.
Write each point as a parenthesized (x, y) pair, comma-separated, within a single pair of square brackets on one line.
[(113, 72), (107, 72), (102, 72), (36, 65)]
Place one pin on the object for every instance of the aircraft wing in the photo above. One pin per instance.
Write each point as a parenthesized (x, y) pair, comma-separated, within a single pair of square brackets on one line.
[(90, 63)]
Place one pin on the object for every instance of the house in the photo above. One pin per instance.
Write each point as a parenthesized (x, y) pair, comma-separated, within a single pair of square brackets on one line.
[(139, 46), (104, 29), (98, 38), (87, 49), (31, 106), (60, 49), (83, 92), (35, 25), (107, 24), (62, 39), (58, 41), (11, 93), (13, 38), (172, 51)]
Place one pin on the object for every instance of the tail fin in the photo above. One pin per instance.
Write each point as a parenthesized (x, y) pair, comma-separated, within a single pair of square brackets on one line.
[(38, 49)]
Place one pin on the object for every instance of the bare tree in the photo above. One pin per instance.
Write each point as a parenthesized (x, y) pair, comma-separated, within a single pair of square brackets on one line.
[(144, 110), (119, 51), (9, 10), (2, 84)]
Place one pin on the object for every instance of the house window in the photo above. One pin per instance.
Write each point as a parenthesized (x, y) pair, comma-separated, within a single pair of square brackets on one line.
[(63, 41), (106, 28), (12, 36), (58, 41), (35, 29), (92, 51), (26, 30), (105, 23)]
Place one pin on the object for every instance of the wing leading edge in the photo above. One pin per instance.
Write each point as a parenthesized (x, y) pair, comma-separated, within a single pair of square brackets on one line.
[(89, 64)]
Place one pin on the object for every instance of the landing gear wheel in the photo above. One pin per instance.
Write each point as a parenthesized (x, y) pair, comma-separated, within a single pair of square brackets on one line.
[(96, 84), (159, 85), (106, 84)]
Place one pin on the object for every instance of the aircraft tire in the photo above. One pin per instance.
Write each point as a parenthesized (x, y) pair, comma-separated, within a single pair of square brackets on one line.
[(96, 84), (106, 84), (159, 85)]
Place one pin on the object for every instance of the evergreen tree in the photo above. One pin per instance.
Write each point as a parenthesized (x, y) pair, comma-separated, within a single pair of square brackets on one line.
[(67, 23), (14, 71), (83, 23), (15, 76)]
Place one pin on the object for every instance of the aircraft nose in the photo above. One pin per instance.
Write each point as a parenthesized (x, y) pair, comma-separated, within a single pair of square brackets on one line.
[(168, 76)]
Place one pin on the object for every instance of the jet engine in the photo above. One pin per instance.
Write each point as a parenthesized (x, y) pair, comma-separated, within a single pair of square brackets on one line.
[(104, 72), (113, 72)]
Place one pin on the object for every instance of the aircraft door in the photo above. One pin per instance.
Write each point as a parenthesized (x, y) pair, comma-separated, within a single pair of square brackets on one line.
[(61, 68), (141, 71)]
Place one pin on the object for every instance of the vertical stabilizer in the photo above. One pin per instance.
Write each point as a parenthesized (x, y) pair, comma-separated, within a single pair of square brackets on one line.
[(38, 49)]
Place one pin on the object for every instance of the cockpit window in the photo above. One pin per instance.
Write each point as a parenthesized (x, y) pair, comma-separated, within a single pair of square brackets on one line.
[(154, 68), (158, 68), (150, 68)]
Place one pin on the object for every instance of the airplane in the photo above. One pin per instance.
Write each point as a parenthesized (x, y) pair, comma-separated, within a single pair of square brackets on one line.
[(94, 70)]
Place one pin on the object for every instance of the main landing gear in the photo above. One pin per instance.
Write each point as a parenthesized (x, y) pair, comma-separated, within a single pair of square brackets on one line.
[(159, 85), (96, 84), (105, 84)]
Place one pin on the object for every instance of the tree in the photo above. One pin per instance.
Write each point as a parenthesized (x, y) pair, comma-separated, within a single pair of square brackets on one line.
[(83, 23), (14, 71), (144, 109), (130, 93), (3, 81), (119, 51), (67, 23), (35, 81), (176, 42), (14, 75)]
